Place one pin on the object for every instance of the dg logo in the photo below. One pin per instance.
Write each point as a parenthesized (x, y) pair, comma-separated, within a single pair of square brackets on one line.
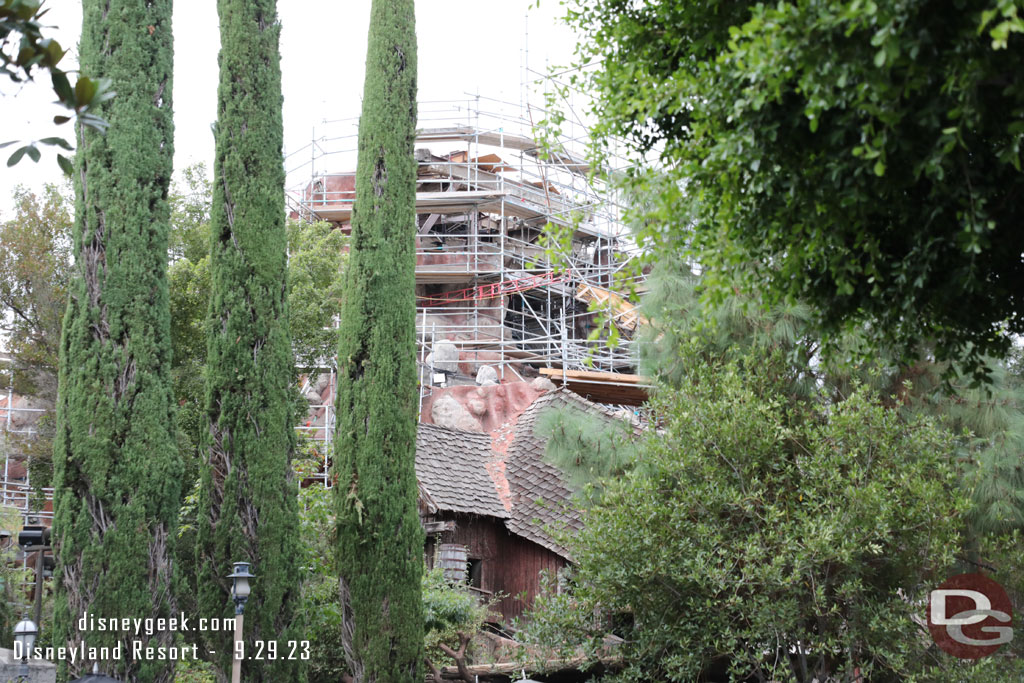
[(970, 616)]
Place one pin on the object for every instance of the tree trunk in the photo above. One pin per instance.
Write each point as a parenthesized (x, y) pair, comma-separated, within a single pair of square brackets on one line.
[(459, 656)]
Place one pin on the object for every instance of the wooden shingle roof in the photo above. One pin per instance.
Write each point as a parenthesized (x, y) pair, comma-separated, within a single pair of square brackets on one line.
[(542, 505), (450, 467)]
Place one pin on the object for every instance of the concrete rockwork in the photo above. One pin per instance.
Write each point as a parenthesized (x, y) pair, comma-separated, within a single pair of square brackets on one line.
[(32, 671)]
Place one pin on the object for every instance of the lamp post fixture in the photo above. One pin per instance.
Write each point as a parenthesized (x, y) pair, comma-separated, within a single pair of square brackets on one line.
[(25, 632), (240, 590)]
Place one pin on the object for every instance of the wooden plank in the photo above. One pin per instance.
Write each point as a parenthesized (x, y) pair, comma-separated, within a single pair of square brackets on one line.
[(429, 223), (336, 213), (602, 387), (430, 275), (453, 202), (595, 376), (467, 196), (627, 315), (512, 668), (426, 202)]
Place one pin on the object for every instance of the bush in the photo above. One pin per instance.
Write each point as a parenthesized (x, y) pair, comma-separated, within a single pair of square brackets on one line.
[(770, 536)]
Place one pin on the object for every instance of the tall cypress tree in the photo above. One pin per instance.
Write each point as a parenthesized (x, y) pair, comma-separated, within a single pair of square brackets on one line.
[(116, 466), (380, 542), (248, 503)]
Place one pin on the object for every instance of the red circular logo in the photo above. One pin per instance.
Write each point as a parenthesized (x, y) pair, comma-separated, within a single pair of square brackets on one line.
[(970, 616)]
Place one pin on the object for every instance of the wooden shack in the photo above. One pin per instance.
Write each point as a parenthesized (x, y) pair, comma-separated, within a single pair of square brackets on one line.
[(494, 499), (460, 507)]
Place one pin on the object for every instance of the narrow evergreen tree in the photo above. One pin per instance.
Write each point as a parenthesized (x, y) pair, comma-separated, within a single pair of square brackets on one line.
[(380, 542), (116, 468), (248, 504)]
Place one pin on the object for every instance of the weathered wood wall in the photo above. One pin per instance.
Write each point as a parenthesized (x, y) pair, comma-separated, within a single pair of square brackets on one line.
[(511, 565)]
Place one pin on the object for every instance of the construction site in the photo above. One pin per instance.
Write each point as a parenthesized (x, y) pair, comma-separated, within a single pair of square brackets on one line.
[(496, 303), (19, 425)]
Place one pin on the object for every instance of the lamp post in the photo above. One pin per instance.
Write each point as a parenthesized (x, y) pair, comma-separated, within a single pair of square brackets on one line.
[(239, 593), (36, 538)]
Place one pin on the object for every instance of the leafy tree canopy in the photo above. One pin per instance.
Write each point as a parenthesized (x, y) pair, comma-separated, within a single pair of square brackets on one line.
[(987, 422), (451, 611), (24, 49), (761, 454), (379, 534), (317, 260), (35, 265), (863, 157), (759, 534)]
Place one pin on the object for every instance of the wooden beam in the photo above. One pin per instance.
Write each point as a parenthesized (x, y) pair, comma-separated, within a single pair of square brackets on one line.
[(514, 668), (595, 376), (438, 527)]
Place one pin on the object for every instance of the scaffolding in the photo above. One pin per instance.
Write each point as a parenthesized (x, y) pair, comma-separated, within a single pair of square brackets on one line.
[(19, 417), (486, 281)]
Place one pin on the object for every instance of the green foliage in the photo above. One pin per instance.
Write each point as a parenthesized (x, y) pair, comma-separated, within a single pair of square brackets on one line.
[(861, 157), (379, 540), (116, 467), (1003, 556), (732, 327), (448, 610), (190, 298), (561, 624), (588, 448), (186, 572), (762, 533), (14, 602), (247, 501), (742, 369), (190, 215), (316, 268), (23, 49), (194, 671), (189, 276), (321, 604), (988, 422), (35, 266)]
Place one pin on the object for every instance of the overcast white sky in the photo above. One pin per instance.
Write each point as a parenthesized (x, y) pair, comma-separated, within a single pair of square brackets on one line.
[(465, 46)]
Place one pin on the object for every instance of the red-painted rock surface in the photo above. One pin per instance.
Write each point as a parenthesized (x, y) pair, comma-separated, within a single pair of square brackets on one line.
[(483, 409), (337, 188)]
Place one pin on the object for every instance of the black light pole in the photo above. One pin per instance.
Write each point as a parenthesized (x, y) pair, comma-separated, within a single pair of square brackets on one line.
[(240, 593), (36, 538)]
